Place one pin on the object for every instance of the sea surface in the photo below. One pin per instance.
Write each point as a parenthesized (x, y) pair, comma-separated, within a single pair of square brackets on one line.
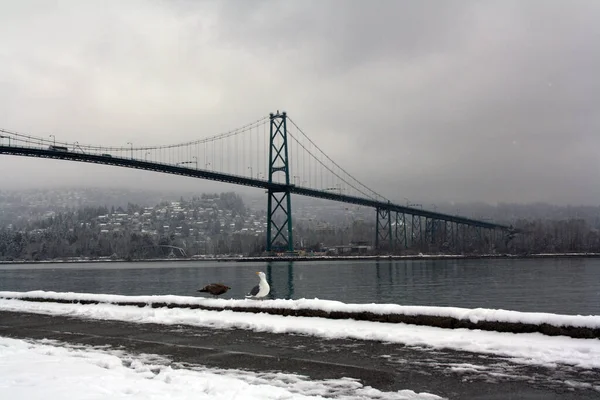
[(560, 285)]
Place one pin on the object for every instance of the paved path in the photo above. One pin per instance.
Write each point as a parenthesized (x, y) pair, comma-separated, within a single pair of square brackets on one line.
[(452, 374)]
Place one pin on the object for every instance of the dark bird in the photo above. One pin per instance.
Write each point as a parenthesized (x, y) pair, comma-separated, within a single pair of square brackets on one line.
[(215, 289)]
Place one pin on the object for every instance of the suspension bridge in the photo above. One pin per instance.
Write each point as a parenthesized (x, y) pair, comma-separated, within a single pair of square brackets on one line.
[(273, 154)]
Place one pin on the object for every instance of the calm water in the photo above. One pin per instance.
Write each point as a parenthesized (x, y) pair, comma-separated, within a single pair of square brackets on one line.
[(565, 286)]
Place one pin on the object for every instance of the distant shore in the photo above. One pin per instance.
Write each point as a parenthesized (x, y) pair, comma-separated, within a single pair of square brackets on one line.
[(313, 258)]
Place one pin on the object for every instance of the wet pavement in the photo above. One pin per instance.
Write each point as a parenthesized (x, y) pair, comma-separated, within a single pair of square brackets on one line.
[(385, 366)]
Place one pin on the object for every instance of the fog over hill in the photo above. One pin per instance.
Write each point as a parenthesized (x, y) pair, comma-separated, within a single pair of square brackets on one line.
[(34, 203), (83, 222)]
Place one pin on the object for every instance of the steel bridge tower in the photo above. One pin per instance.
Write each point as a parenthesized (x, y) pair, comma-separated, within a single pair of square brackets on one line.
[(279, 204)]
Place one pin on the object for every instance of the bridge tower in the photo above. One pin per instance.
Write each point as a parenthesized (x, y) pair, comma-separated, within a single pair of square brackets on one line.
[(279, 204)]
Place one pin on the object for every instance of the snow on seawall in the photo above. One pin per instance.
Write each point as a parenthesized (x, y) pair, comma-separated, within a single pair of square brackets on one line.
[(528, 348), (446, 317)]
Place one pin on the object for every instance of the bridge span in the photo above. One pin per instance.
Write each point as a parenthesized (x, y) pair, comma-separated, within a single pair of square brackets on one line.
[(280, 175)]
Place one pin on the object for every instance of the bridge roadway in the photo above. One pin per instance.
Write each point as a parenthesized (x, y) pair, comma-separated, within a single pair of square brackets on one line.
[(385, 366), (239, 180)]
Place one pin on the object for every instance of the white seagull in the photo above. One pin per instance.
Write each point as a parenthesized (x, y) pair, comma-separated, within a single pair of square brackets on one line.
[(262, 289)]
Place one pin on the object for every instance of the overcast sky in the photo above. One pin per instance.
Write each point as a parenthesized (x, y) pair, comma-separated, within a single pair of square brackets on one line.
[(494, 101)]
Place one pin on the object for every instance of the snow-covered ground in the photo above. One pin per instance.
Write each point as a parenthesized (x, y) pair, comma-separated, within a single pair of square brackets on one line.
[(41, 370), (531, 348), (472, 315)]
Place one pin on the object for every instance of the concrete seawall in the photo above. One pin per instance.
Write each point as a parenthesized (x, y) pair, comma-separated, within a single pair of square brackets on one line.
[(425, 320)]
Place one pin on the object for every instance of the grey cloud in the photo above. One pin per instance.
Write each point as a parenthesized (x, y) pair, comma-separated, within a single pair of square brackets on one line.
[(456, 100)]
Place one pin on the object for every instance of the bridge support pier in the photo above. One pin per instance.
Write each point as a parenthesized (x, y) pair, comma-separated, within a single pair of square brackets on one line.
[(279, 203), (383, 231), (400, 233)]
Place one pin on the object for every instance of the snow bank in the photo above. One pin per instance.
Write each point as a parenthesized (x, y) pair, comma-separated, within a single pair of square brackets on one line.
[(587, 326), (47, 370), (529, 348)]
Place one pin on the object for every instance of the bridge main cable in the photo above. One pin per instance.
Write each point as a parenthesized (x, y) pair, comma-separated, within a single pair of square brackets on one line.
[(28, 145)]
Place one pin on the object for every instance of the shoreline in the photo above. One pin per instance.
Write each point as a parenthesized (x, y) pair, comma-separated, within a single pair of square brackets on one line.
[(314, 258)]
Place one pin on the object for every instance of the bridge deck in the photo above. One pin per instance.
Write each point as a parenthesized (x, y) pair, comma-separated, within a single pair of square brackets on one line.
[(240, 180)]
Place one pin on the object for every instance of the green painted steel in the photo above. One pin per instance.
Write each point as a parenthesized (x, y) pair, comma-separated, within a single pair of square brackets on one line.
[(245, 181), (279, 203), (383, 231), (400, 233), (279, 189)]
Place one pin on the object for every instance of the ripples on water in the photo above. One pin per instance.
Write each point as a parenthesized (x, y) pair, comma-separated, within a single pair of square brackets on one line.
[(562, 285)]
